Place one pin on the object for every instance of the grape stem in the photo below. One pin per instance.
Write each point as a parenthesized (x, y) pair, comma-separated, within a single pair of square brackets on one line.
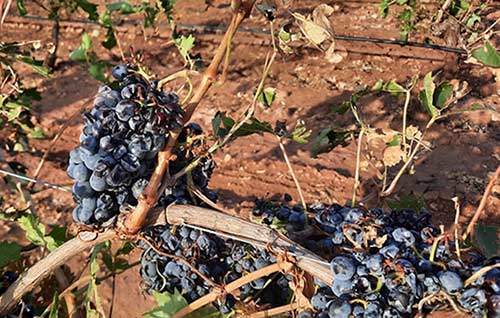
[(233, 286), (148, 198)]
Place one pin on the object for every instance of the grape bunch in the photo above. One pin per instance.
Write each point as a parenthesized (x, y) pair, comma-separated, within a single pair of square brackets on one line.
[(385, 264), (218, 261), (121, 138), (24, 310)]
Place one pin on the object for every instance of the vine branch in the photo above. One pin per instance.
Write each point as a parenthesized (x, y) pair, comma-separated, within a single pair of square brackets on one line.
[(150, 195)]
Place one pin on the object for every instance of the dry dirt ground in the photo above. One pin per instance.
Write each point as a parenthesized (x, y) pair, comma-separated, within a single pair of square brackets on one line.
[(465, 148)]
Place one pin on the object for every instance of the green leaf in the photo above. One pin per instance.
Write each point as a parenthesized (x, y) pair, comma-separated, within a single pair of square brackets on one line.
[(328, 139), (443, 94), (487, 55), (37, 133), (427, 96), (105, 20), (393, 87), (57, 236), (254, 127), (379, 85), (411, 202), (167, 6), (28, 95), (125, 249), (110, 39), (486, 238), (150, 14), (168, 304), (80, 53), (216, 121), (394, 142), (472, 20), (383, 8), (88, 7), (14, 110), (96, 70), (342, 108), (20, 7), (34, 64), (123, 6), (55, 306), (185, 44), (35, 231), (267, 96), (9, 252), (300, 134)]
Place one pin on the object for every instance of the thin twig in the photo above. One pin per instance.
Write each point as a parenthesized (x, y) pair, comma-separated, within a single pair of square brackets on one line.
[(35, 274), (482, 204), (274, 311), (120, 49), (231, 287), (150, 195), (180, 259), (56, 139), (457, 215), (294, 177), (356, 173)]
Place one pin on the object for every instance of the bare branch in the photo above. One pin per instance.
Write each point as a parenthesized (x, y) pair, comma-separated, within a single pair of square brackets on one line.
[(35, 274), (482, 204)]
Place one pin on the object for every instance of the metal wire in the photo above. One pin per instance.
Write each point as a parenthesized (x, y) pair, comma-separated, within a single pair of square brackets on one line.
[(218, 28), (46, 184)]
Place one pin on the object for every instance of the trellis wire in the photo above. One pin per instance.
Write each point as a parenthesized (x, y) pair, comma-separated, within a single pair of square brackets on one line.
[(46, 184), (218, 28)]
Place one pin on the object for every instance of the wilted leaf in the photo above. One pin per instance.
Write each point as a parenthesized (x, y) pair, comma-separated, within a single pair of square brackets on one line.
[(392, 156), (487, 55), (318, 28), (412, 132), (486, 238), (9, 252)]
